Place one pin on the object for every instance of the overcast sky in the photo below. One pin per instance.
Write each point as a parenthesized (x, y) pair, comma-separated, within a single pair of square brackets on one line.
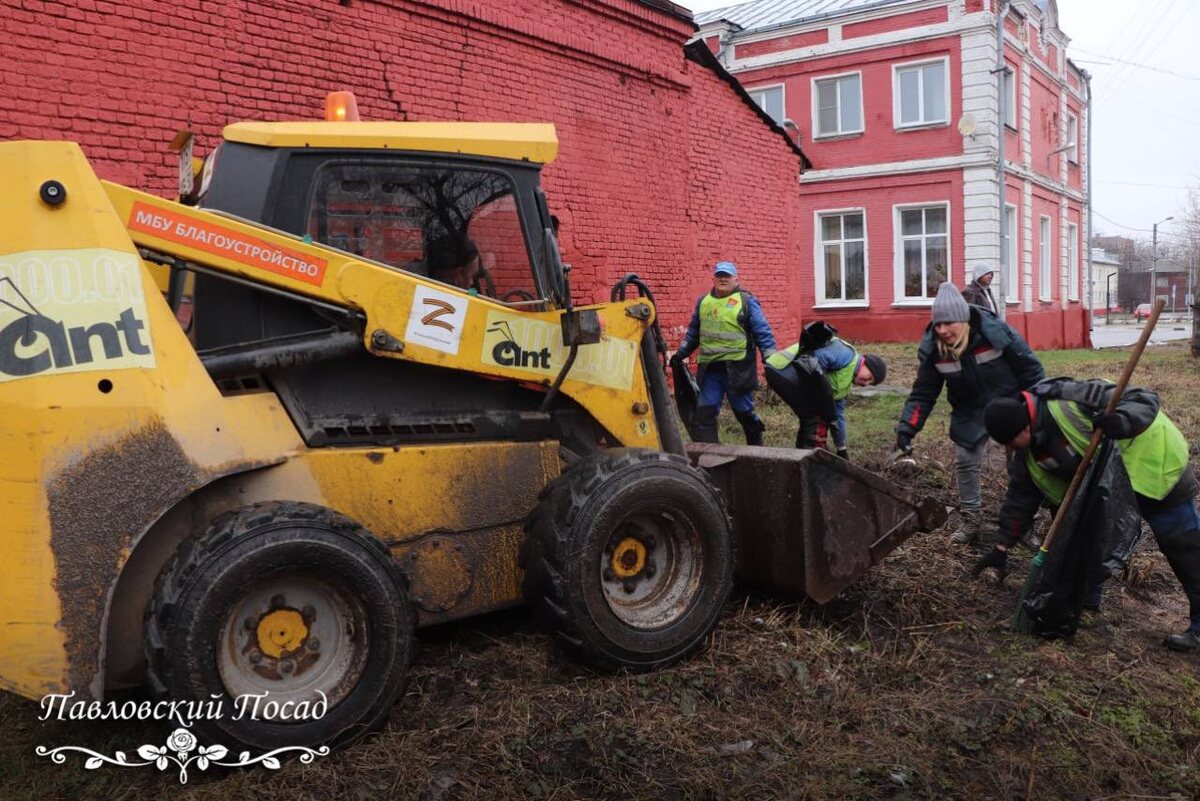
[(1146, 124)]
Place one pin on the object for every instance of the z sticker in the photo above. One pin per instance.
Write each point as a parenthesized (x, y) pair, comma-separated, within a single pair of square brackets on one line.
[(436, 320), (70, 311)]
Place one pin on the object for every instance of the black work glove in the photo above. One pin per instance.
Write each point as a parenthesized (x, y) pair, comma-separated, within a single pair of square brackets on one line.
[(904, 444), (995, 559), (1115, 426), (676, 359), (843, 453)]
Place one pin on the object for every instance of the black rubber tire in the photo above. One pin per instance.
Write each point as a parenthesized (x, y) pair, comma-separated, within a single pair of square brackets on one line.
[(211, 572), (578, 514)]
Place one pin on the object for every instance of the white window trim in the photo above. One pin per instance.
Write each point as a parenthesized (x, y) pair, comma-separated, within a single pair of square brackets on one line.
[(1072, 137), (1013, 286), (819, 262), (898, 299), (1045, 255), (750, 90), (1011, 120), (1073, 279), (904, 126), (816, 110)]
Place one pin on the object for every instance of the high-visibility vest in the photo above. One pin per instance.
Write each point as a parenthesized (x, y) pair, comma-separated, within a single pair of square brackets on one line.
[(840, 380), (1154, 459), (722, 335)]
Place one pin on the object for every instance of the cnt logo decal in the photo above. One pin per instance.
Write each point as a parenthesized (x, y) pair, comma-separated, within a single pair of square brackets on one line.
[(507, 353), (71, 311)]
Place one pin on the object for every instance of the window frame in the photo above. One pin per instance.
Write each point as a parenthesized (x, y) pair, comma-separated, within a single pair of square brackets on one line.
[(1045, 258), (1012, 120), (1073, 292), (897, 122), (1072, 137), (816, 107), (898, 251), (1012, 290), (782, 98), (819, 242)]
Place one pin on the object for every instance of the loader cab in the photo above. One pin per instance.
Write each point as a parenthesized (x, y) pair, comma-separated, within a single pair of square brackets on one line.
[(456, 203)]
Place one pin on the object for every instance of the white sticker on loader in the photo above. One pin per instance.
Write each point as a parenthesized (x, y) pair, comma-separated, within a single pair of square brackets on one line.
[(436, 320), (71, 311)]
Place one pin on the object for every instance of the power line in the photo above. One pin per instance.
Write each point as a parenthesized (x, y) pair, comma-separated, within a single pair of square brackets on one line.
[(1135, 183), (1111, 60), (1161, 234)]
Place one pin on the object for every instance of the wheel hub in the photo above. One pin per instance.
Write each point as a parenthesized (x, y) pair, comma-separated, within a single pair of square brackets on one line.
[(281, 632), (629, 557), (651, 568)]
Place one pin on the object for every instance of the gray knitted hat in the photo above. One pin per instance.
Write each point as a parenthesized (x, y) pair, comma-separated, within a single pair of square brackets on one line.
[(949, 306)]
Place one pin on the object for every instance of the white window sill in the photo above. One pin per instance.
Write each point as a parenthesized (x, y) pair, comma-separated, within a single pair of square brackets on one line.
[(842, 304), (913, 303), (835, 136), (922, 126)]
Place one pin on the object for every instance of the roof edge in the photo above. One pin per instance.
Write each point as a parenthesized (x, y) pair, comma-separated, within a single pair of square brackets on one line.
[(697, 51)]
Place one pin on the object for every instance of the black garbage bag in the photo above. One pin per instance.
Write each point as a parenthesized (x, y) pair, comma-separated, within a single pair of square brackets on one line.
[(803, 387), (687, 395), (1098, 536)]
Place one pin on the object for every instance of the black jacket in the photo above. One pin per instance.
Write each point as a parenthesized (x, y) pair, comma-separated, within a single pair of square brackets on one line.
[(997, 363), (977, 294), (1050, 448)]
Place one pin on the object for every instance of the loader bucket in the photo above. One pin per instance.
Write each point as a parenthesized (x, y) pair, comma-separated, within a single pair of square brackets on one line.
[(809, 523)]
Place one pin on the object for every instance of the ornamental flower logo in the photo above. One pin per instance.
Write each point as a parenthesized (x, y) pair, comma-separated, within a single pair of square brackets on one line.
[(181, 749)]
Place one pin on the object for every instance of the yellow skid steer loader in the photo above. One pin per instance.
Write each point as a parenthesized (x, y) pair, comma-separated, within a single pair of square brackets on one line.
[(383, 413)]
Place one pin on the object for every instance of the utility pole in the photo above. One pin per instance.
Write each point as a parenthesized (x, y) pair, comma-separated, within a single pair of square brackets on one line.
[(1154, 259)]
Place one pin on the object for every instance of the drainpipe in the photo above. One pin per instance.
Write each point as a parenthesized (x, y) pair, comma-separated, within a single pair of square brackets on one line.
[(1091, 312), (1001, 95)]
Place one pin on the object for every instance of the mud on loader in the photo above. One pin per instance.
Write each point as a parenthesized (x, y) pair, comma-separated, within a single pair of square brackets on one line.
[(384, 413)]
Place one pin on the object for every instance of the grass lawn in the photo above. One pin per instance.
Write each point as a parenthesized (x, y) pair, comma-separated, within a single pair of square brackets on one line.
[(909, 685)]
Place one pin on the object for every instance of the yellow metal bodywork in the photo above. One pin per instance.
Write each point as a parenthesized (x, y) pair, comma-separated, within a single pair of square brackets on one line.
[(519, 141), (112, 424)]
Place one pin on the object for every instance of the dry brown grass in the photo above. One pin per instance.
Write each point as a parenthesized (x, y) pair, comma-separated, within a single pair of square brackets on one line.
[(909, 685)]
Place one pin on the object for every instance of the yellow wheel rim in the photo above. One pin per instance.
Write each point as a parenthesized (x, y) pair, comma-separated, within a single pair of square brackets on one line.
[(281, 632), (629, 557)]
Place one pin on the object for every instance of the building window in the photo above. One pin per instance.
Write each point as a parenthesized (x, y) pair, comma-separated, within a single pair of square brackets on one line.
[(1010, 98), (1072, 138), (770, 100), (1013, 277), (837, 105), (920, 92), (1044, 277), (841, 257), (923, 249), (1072, 261)]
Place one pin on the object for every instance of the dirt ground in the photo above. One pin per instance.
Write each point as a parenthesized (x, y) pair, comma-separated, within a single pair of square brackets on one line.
[(909, 685)]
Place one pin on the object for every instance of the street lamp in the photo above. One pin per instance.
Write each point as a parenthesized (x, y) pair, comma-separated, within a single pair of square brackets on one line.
[(1154, 259), (1108, 298)]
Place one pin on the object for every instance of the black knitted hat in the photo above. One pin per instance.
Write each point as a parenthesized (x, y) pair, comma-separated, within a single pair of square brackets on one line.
[(877, 367), (1004, 418)]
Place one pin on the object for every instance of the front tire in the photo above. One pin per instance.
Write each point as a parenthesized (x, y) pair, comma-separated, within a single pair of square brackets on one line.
[(291, 600), (630, 557)]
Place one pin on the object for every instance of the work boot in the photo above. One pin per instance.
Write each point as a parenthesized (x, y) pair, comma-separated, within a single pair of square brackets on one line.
[(1031, 540), (704, 429), (970, 528), (752, 425), (1187, 641)]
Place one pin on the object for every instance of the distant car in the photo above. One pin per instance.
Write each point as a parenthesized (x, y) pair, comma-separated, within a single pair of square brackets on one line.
[(1114, 308), (1142, 312)]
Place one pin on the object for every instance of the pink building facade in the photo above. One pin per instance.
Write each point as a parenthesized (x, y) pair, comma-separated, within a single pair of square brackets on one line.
[(898, 106)]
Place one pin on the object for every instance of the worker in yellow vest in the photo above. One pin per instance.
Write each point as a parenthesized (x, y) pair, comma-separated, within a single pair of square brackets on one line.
[(728, 325), (1050, 425)]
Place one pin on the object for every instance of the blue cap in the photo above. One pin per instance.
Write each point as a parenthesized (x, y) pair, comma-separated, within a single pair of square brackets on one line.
[(727, 267)]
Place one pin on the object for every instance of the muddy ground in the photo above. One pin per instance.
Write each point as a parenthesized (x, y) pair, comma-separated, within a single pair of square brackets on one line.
[(909, 685)]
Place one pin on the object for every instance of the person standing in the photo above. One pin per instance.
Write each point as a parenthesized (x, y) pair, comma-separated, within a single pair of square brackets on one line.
[(978, 358), (815, 384), (1050, 427), (979, 291), (727, 326)]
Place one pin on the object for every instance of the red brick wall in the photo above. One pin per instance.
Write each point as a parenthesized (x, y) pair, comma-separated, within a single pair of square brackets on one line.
[(122, 77), (793, 42), (895, 22)]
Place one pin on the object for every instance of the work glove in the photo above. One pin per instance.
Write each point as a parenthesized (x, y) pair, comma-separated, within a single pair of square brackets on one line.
[(844, 454), (995, 559), (1115, 426), (904, 444)]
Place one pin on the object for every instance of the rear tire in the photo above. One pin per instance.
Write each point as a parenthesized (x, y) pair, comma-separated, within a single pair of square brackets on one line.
[(630, 557), (289, 599)]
